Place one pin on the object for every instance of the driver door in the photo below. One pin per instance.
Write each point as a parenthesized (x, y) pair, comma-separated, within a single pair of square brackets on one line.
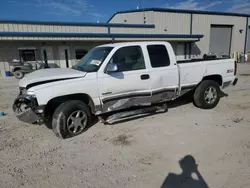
[(127, 86)]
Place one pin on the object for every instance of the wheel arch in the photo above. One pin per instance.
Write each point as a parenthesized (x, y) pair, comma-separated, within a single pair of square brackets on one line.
[(199, 94), (55, 102), (16, 69), (215, 77)]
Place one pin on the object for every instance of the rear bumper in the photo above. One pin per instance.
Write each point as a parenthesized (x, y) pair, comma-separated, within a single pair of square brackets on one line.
[(27, 110), (235, 81), (231, 82)]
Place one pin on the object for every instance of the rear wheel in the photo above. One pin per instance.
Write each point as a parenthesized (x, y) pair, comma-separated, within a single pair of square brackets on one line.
[(18, 74), (206, 95), (70, 119)]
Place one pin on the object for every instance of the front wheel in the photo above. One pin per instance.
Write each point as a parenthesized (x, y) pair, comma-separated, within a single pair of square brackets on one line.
[(206, 95), (70, 119), (18, 74)]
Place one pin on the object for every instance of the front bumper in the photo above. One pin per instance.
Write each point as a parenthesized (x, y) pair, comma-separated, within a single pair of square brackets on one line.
[(27, 109)]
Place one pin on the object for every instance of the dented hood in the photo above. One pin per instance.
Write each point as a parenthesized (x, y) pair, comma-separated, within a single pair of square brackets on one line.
[(50, 75)]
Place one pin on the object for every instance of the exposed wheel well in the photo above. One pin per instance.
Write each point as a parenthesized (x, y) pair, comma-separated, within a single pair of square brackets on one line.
[(16, 69), (217, 78), (55, 102)]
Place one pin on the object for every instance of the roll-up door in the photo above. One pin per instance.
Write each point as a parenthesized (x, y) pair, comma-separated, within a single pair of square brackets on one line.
[(220, 39), (248, 40)]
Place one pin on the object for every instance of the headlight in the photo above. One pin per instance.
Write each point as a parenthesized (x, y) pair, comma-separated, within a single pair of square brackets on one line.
[(30, 92)]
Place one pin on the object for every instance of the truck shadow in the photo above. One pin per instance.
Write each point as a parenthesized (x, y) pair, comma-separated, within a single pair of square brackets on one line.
[(186, 178), (135, 118), (188, 98), (181, 101)]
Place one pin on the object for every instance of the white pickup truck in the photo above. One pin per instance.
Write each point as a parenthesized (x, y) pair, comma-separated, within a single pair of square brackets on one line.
[(115, 77)]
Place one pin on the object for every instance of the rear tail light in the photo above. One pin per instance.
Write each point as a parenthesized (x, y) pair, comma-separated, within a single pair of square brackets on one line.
[(235, 67)]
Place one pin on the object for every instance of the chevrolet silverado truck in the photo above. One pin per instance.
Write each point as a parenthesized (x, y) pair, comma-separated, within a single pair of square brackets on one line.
[(116, 77)]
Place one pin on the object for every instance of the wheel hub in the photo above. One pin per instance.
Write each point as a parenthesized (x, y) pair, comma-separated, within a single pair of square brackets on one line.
[(210, 95), (77, 121)]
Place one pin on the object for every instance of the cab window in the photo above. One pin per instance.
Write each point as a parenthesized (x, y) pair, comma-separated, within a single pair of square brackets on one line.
[(129, 59), (158, 55)]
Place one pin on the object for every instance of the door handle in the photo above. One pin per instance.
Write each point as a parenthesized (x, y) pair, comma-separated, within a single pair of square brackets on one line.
[(145, 77)]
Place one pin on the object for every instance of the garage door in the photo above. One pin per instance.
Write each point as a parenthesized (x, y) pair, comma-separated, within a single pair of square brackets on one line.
[(248, 40), (220, 40)]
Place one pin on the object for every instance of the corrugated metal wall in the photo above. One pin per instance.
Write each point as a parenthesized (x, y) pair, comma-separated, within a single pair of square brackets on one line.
[(132, 30), (134, 18), (202, 24), (165, 22), (179, 49), (16, 27), (56, 38), (171, 23), (179, 23)]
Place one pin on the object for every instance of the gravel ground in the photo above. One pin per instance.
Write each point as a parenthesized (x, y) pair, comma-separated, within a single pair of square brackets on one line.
[(145, 152)]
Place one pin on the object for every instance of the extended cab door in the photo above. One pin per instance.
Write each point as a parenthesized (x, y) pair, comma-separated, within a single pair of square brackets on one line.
[(163, 72), (129, 85)]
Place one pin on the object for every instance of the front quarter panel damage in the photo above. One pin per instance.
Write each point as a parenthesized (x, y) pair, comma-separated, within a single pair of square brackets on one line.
[(24, 108)]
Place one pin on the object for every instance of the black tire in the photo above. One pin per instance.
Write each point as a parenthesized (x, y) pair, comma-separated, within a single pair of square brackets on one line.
[(62, 115), (200, 94), (18, 74)]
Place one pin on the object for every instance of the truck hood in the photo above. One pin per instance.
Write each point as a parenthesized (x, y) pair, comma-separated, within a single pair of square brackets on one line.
[(50, 75)]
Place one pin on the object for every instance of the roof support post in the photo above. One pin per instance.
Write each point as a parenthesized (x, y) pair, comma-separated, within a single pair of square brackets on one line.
[(191, 23), (108, 29), (246, 36), (191, 32)]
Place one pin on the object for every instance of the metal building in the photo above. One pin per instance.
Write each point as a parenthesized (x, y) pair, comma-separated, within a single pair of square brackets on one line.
[(224, 33), (62, 44)]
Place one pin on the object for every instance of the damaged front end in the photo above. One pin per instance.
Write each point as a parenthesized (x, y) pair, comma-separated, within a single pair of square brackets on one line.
[(26, 109)]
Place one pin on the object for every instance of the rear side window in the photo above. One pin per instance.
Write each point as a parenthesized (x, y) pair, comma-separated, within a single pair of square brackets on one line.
[(158, 55)]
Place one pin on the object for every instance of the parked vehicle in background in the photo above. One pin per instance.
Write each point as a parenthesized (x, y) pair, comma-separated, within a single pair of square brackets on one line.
[(116, 77), (28, 63)]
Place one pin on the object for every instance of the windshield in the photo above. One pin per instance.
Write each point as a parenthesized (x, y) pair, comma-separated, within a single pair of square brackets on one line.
[(92, 61)]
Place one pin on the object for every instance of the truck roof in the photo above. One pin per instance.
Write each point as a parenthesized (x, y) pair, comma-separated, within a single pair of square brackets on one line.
[(119, 44)]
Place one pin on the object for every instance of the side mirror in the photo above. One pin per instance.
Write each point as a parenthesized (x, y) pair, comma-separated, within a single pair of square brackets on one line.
[(112, 67)]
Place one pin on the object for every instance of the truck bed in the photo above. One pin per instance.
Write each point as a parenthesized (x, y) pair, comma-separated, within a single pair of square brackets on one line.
[(192, 71)]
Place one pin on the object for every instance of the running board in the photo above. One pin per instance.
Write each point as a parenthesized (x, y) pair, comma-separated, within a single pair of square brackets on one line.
[(130, 114)]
